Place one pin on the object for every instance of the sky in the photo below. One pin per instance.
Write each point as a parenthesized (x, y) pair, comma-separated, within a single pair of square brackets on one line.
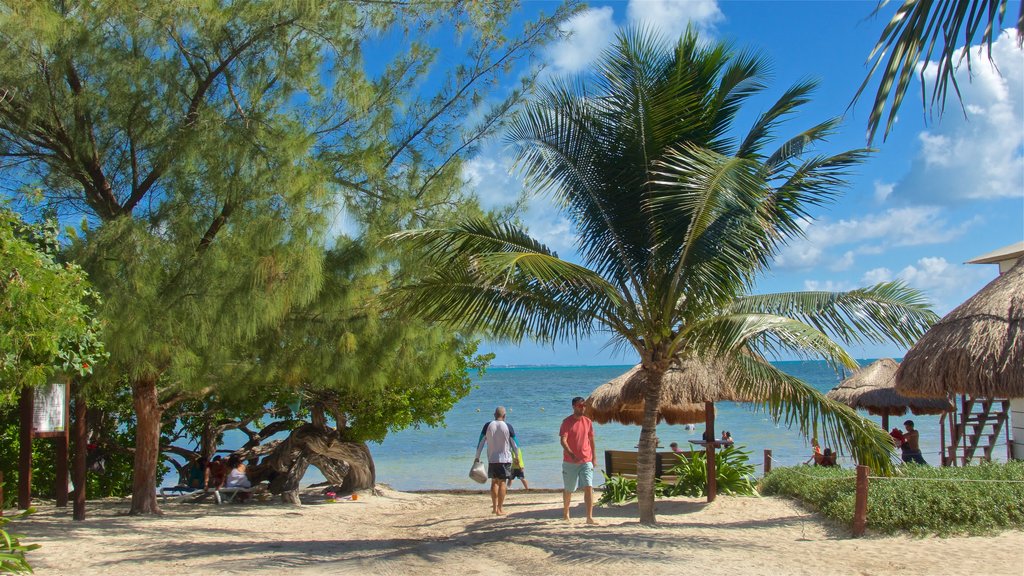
[(937, 192)]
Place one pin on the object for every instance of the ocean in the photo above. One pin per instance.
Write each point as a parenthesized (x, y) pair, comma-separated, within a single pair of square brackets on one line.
[(538, 398)]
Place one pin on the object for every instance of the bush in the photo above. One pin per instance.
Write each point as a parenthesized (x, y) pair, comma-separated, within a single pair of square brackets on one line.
[(12, 552), (921, 500), (733, 474)]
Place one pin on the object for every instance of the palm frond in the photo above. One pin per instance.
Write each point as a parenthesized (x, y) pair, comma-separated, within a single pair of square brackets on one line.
[(796, 96), (920, 31), (766, 334), (886, 312), (792, 402)]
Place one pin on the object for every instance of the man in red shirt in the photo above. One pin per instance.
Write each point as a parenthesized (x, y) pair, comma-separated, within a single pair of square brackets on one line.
[(579, 458)]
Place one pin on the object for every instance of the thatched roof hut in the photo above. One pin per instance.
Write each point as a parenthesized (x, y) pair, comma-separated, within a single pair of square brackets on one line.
[(685, 388), (871, 389), (977, 349)]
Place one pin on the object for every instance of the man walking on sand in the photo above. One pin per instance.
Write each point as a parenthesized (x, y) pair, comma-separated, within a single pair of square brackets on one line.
[(501, 445), (579, 458)]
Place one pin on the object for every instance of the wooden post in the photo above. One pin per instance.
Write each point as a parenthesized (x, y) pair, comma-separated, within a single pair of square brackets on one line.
[(709, 422), (767, 461), (885, 422), (860, 510), (81, 450), (25, 449)]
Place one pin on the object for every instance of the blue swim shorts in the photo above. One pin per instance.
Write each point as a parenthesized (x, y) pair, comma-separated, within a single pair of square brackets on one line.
[(577, 475)]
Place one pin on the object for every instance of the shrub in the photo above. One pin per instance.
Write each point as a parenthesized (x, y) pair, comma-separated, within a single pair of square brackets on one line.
[(921, 500), (12, 552), (733, 474)]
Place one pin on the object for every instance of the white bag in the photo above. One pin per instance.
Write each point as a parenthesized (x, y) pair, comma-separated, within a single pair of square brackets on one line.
[(478, 472)]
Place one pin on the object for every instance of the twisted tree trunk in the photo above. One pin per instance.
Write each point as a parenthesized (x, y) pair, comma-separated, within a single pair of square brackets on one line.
[(347, 466)]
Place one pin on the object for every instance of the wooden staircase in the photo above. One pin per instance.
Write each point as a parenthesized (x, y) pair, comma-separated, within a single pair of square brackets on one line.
[(975, 429)]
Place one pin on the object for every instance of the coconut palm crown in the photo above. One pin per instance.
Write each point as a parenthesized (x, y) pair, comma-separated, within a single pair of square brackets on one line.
[(675, 219)]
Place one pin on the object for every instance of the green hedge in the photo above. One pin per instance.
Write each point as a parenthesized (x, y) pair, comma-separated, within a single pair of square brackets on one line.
[(921, 500)]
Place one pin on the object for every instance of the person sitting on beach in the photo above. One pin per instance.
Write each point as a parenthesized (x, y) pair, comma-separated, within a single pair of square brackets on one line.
[(726, 438), (828, 458), (911, 446), (518, 469), (215, 474), (815, 452)]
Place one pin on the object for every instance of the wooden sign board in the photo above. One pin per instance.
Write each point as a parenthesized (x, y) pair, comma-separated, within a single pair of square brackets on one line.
[(50, 411)]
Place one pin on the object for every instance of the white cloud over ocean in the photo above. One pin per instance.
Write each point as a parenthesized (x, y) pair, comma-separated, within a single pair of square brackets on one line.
[(944, 283)]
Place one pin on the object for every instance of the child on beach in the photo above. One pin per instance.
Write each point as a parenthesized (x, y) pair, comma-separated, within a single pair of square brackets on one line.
[(518, 469)]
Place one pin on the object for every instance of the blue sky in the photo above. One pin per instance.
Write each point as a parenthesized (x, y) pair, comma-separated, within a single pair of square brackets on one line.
[(937, 192)]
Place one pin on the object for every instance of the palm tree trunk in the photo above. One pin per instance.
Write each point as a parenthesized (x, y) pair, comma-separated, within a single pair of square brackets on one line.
[(648, 447)]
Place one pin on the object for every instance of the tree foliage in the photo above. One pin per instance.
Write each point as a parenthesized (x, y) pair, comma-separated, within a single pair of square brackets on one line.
[(46, 319), (211, 149), (676, 217)]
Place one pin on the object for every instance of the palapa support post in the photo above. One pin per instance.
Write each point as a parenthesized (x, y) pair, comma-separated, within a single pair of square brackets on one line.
[(767, 461), (81, 450), (25, 449), (885, 422), (709, 425), (860, 510)]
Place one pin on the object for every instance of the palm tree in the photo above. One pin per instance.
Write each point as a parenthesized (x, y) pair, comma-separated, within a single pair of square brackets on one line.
[(921, 29), (675, 220)]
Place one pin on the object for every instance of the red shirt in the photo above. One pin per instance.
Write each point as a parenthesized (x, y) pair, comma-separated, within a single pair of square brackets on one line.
[(579, 435)]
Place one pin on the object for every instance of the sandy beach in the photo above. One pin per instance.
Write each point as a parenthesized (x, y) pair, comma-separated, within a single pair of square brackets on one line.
[(393, 532)]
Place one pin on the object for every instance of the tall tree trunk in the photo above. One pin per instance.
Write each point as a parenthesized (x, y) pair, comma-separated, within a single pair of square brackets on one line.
[(147, 447), (648, 447)]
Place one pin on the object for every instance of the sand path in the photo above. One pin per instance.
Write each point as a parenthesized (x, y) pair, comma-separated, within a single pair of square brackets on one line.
[(395, 533)]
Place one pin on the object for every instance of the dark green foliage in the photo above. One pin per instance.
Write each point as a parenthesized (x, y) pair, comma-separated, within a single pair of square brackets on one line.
[(733, 472), (46, 323), (114, 481), (921, 500), (620, 489), (12, 551)]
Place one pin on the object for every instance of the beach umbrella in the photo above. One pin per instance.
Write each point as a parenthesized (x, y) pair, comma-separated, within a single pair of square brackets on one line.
[(686, 386), (872, 388), (977, 349)]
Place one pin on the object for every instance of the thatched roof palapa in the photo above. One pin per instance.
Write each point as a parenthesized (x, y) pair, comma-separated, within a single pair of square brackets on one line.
[(685, 387), (977, 349), (871, 389)]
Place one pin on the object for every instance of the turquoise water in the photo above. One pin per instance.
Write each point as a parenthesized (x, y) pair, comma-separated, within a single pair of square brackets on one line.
[(538, 398)]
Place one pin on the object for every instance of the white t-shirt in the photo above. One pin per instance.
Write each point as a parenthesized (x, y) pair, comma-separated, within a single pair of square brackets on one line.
[(499, 437)]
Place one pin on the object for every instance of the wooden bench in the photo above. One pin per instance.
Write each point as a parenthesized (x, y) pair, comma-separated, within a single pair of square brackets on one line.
[(623, 463)]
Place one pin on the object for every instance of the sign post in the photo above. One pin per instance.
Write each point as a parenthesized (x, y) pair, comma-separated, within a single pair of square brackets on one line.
[(44, 414)]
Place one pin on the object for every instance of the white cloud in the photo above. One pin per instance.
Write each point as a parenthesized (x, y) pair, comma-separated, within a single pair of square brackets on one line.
[(589, 33), (876, 276), (980, 156), (883, 190), (488, 174), (871, 234), (671, 17), (827, 286)]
